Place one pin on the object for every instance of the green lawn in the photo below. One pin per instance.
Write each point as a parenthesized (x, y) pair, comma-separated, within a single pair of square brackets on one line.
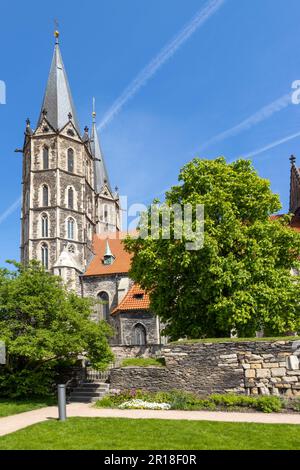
[(11, 407), (143, 362), (151, 434)]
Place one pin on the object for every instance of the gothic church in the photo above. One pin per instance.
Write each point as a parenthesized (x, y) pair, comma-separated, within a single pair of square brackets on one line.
[(71, 217)]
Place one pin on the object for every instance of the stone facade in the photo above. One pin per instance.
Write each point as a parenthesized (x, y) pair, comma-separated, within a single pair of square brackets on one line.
[(125, 323), (258, 367), (67, 201)]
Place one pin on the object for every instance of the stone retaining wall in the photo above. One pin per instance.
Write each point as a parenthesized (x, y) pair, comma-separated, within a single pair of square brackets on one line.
[(257, 367)]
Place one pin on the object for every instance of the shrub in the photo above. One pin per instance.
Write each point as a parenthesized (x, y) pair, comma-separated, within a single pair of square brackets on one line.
[(296, 404), (26, 383), (269, 404), (180, 400)]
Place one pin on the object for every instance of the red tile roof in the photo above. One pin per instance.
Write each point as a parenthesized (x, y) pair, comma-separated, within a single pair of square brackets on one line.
[(122, 260), (135, 299)]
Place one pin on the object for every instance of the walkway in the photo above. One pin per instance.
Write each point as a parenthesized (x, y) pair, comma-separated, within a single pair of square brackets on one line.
[(22, 420)]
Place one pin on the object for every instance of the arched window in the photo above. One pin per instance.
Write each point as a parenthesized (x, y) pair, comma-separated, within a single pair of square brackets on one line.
[(71, 160), (45, 195), (71, 224), (70, 198), (45, 225), (104, 305), (45, 158), (139, 335), (45, 255)]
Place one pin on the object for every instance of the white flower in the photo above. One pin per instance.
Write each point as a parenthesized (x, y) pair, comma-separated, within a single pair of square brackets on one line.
[(144, 405)]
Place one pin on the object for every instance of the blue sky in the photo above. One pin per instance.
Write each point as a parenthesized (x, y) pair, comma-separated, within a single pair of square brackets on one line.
[(244, 57)]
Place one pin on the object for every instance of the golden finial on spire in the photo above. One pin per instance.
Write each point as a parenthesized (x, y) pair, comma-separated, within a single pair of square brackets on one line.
[(94, 109), (56, 32)]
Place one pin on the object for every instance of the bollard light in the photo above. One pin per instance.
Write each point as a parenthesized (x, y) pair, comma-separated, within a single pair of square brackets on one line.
[(62, 409)]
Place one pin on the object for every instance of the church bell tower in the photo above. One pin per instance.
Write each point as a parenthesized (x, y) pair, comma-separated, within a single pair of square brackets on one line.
[(63, 176)]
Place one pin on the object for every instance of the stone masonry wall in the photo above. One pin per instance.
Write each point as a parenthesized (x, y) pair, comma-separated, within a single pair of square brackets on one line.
[(125, 352), (257, 367)]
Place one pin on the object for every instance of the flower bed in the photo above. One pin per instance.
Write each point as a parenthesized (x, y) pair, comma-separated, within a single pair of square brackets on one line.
[(177, 400), (143, 405)]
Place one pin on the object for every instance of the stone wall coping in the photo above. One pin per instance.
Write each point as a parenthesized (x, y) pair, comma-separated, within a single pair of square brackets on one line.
[(140, 346), (140, 367), (233, 343)]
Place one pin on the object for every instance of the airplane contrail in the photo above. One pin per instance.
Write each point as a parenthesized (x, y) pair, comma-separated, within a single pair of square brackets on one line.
[(10, 209), (261, 115), (272, 145), (166, 53)]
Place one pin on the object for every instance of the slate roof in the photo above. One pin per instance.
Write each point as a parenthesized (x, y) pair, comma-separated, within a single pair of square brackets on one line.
[(101, 174), (58, 101)]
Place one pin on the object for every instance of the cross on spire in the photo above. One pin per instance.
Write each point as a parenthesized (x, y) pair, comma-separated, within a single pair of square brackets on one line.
[(292, 159)]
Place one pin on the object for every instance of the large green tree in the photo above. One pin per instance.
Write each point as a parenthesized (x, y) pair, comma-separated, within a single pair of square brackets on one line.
[(241, 278), (44, 326)]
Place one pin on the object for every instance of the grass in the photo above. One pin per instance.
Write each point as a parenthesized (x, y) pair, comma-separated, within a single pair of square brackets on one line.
[(143, 362), (11, 407), (236, 340), (151, 434)]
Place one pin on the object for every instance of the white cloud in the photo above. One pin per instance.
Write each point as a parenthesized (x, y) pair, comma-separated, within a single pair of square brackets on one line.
[(259, 116), (271, 145), (165, 54)]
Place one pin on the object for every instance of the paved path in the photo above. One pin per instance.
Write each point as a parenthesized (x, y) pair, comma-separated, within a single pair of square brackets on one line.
[(22, 420)]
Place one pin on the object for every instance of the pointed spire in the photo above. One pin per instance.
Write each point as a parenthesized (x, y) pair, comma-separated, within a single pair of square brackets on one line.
[(101, 175), (109, 258), (58, 106), (107, 249)]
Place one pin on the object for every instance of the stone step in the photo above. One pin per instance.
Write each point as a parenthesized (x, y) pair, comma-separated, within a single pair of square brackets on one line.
[(80, 400), (95, 381), (94, 385), (91, 390), (88, 394), (83, 399)]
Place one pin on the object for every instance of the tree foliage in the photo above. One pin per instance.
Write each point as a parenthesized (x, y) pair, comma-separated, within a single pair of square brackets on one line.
[(43, 326), (241, 279)]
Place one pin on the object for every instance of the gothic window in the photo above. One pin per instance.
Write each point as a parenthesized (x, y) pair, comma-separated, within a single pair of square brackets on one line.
[(71, 225), (70, 198), (105, 212), (103, 305), (45, 255), (45, 195), (45, 158), (139, 335), (45, 225), (71, 160)]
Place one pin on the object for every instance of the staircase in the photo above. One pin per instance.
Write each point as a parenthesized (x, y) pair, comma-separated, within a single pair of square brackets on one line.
[(89, 392)]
